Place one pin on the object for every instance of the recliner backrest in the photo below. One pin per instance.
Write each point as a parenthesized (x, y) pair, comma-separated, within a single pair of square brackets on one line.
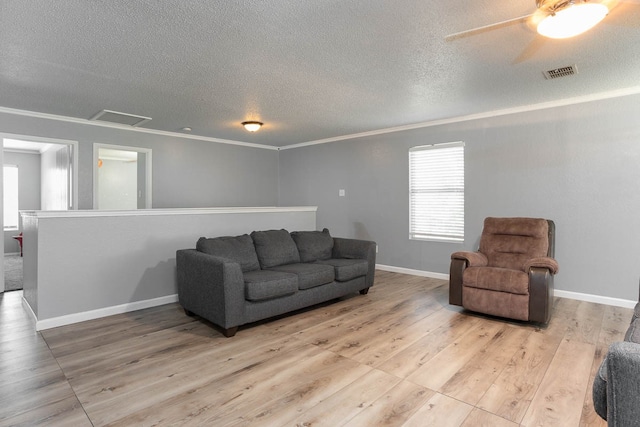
[(510, 242)]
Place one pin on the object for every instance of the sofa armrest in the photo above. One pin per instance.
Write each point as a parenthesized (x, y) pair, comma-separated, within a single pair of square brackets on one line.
[(473, 259), (211, 287), (542, 262), (623, 384), (357, 249)]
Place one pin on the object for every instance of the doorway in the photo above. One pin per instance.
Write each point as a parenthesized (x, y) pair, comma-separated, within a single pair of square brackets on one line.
[(44, 177), (121, 177)]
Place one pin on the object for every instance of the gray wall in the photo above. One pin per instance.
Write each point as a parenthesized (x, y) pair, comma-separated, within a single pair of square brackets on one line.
[(578, 165), (186, 173), (28, 189)]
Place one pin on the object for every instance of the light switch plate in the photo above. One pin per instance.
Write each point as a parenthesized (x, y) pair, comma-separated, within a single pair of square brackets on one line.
[(341, 192)]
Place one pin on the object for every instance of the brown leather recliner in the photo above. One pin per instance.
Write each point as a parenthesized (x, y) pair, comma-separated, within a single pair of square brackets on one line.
[(511, 275)]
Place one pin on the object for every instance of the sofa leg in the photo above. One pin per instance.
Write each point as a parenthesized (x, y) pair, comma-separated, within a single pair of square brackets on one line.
[(230, 332), (189, 313), (364, 291)]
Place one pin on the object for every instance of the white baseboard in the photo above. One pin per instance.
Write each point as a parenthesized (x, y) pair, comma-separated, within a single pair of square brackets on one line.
[(617, 302), (54, 322), (11, 253), (412, 272), (139, 305)]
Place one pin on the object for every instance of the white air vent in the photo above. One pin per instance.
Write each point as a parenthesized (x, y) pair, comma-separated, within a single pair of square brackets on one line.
[(561, 72), (120, 118)]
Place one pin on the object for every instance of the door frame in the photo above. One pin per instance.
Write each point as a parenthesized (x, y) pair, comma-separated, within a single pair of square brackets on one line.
[(44, 140)]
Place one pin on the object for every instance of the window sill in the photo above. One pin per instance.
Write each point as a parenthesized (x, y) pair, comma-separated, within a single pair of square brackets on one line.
[(437, 239)]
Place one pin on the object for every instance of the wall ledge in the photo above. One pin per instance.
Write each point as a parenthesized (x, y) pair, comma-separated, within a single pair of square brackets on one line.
[(160, 212)]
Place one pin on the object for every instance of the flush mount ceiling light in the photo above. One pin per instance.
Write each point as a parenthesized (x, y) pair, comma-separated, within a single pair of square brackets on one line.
[(568, 18), (252, 126)]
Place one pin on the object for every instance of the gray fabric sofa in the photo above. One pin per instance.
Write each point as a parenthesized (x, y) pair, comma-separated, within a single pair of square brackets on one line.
[(616, 387), (235, 280)]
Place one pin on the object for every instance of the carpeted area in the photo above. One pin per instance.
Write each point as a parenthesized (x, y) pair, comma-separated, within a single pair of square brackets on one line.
[(12, 272)]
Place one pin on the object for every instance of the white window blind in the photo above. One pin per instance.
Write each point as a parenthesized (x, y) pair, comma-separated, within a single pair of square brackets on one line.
[(436, 192), (10, 198)]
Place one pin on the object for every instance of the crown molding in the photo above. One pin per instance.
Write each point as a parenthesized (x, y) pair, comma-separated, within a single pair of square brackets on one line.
[(55, 117), (634, 90), (485, 115)]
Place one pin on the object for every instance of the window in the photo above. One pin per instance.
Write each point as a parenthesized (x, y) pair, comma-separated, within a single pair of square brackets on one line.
[(10, 197), (436, 192)]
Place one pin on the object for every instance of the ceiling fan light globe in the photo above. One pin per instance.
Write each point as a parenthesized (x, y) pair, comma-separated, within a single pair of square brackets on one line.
[(573, 20)]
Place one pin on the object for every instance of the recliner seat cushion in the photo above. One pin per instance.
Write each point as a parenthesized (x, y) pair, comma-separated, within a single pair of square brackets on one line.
[(309, 275), (275, 247), (238, 249), (497, 279), (313, 245), (347, 269), (261, 285)]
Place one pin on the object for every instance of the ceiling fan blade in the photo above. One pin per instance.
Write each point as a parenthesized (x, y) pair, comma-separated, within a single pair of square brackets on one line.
[(490, 27), (531, 49), (625, 13)]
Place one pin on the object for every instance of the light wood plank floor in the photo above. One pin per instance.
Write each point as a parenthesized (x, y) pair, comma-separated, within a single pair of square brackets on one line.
[(399, 356)]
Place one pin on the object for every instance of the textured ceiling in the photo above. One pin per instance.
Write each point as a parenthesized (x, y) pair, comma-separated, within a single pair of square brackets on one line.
[(310, 70)]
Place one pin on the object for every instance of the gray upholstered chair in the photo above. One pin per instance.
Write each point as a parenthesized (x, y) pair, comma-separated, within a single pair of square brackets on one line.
[(616, 387), (511, 275)]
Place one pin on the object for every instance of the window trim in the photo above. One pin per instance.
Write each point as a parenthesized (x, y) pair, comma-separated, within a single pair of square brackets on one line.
[(413, 235)]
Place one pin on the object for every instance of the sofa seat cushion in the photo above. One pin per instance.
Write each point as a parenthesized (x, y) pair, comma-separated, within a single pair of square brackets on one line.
[(275, 247), (260, 285), (313, 245), (347, 269), (633, 333), (309, 275), (497, 279), (238, 249)]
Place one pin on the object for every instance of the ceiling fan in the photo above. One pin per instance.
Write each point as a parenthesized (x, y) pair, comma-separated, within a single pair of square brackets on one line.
[(554, 18)]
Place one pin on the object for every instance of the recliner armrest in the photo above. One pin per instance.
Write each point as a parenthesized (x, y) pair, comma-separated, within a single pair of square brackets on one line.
[(474, 259), (542, 262)]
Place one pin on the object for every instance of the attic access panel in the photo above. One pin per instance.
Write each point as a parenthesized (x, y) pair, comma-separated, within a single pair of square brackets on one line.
[(120, 118)]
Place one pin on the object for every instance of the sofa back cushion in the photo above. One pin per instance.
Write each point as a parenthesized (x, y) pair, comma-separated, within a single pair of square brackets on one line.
[(313, 245), (275, 247), (510, 242), (239, 249)]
